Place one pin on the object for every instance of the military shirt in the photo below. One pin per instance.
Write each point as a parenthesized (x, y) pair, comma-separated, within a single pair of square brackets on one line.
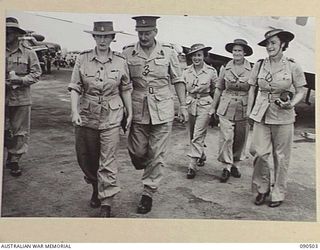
[(99, 83), (234, 86), (25, 63), (199, 86), (287, 77), (152, 98)]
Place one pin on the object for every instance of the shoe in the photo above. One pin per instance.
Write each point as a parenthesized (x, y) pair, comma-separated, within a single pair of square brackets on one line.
[(145, 205), (191, 173), (225, 175), (275, 203), (235, 172), (261, 198), (15, 169), (201, 161), (95, 202), (105, 211)]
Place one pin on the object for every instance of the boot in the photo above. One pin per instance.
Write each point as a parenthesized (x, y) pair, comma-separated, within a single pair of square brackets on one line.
[(95, 202), (15, 169)]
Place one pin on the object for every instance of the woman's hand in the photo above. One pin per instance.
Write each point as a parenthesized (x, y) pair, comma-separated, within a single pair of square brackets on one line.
[(284, 105), (76, 119), (129, 121)]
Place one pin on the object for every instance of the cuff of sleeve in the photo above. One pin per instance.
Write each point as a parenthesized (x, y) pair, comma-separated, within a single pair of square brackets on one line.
[(125, 87), (70, 88), (177, 80)]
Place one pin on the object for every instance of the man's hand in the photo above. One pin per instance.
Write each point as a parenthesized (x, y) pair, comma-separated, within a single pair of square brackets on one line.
[(76, 119), (183, 114), (14, 79)]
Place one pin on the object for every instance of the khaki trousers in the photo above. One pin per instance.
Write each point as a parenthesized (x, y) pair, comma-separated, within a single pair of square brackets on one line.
[(198, 130), (232, 141), (271, 148), (17, 130), (96, 154), (147, 145)]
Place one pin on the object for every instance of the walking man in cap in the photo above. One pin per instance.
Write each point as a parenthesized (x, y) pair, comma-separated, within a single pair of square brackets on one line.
[(153, 67), (22, 70)]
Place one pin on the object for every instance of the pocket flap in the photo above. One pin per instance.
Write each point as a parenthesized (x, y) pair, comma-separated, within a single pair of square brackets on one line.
[(116, 103), (161, 61)]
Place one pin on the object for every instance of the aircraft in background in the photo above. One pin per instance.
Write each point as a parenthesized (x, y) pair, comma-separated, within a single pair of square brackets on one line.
[(183, 31), (46, 51)]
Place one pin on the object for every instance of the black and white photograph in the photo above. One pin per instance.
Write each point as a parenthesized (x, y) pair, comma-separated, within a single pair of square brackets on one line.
[(146, 116)]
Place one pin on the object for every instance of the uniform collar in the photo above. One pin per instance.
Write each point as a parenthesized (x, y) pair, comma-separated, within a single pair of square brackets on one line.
[(94, 55), (156, 53), (19, 48), (283, 62), (246, 64), (204, 69)]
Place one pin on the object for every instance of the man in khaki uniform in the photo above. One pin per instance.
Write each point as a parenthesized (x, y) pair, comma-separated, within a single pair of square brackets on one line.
[(153, 67), (22, 70)]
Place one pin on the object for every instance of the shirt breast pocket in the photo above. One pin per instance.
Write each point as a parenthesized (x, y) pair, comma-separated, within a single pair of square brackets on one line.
[(161, 67), (21, 67), (135, 68), (114, 75)]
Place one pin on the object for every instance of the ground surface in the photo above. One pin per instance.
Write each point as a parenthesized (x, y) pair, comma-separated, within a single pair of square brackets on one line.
[(52, 184)]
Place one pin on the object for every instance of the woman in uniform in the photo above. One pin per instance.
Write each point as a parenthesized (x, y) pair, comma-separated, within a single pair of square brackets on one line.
[(280, 81), (200, 80), (232, 95), (100, 89)]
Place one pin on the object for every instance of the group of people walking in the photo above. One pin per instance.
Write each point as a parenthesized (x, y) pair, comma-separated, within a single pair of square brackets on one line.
[(132, 90)]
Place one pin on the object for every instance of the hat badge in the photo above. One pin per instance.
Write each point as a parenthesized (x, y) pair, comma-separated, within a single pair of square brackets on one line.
[(102, 28), (143, 21)]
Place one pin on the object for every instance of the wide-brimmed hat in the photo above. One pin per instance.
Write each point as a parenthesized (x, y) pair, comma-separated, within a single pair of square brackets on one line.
[(286, 35), (145, 23), (247, 49), (196, 47), (13, 23), (102, 28)]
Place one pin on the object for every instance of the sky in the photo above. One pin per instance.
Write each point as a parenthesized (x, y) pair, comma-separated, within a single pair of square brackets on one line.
[(67, 29)]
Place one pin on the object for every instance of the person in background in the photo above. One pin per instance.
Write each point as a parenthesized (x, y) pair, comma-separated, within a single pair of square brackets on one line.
[(200, 80), (232, 95), (153, 66), (273, 114), (100, 93), (22, 70)]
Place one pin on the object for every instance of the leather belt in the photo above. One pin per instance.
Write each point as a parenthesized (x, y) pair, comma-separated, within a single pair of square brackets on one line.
[(199, 95), (236, 92)]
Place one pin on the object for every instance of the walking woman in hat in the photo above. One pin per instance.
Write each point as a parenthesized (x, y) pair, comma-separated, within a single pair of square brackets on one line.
[(100, 93), (200, 80), (232, 95), (273, 115)]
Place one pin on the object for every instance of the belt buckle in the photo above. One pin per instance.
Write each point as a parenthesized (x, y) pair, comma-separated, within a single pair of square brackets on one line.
[(198, 95), (100, 99), (151, 90)]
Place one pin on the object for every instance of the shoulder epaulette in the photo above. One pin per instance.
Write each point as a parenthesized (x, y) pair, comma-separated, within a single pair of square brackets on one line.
[(167, 45), (86, 51), (116, 53), (24, 45), (291, 60), (128, 46)]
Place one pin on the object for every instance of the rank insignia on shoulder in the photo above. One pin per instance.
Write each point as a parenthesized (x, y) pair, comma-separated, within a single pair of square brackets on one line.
[(86, 51), (167, 45), (119, 54), (128, 46), (291, 60)]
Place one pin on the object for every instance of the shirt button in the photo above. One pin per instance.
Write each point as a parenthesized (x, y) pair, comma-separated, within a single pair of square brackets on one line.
[(101, 68), (100, 80)]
